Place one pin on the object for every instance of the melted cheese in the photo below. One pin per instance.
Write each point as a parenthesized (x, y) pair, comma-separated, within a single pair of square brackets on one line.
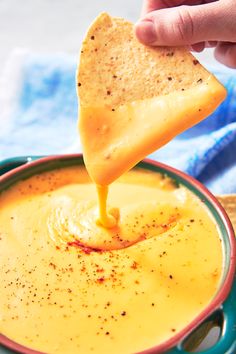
[(106, 219), (57, 296), (115, 140)]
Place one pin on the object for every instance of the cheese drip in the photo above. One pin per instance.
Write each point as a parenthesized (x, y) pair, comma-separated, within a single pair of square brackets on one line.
[(106, 218)]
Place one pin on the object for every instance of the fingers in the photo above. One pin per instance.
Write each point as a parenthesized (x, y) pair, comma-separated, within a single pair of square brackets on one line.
[(225, 53), (152, 5), (187, 25), (203, 24), (199, 47), (211, 44)]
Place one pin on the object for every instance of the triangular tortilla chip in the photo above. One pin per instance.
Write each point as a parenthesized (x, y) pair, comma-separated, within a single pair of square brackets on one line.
[(134, 98)]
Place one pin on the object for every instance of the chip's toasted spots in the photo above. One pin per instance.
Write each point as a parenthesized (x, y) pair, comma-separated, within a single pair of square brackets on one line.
[(134, 98)]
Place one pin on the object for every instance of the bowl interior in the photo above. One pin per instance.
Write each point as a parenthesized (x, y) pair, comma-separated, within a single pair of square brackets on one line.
[(50, 163), (224, 226)]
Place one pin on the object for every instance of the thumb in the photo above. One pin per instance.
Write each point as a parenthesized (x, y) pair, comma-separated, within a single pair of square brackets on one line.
[(186, 25)]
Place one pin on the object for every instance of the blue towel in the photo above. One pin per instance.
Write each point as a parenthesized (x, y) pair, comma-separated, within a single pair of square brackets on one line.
[(39, 116)]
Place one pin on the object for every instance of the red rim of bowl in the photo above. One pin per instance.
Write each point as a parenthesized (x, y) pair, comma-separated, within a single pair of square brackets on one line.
[(213, 305)]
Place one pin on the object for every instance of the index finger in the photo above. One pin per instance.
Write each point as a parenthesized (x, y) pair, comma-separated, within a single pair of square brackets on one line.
[(152, 5)]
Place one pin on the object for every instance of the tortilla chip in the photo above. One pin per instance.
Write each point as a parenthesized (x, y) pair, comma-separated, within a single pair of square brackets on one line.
[(134, 98), (229, 204), (115, 68)]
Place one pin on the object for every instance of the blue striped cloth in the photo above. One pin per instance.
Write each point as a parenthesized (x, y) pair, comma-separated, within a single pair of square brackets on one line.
[(39, 116)]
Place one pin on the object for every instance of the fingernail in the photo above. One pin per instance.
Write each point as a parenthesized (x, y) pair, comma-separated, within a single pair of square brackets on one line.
[(145, 32)]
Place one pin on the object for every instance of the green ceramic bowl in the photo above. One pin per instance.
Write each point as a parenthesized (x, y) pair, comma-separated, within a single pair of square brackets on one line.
[(222, 309)]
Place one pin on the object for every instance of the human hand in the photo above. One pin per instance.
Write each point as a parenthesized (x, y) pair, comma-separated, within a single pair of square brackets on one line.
[(198, 24)]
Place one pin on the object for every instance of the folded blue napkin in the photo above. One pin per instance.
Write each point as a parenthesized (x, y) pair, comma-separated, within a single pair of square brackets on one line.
[(38, 115)]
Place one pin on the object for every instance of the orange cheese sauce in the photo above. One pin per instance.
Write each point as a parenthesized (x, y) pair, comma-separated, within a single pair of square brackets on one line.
[(61, 294), (114, 140)]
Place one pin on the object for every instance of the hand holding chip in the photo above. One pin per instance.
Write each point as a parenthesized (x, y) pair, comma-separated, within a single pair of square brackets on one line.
[(196, 23)]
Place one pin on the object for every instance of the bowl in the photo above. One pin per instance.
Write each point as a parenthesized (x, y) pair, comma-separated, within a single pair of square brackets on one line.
[(220, 312)]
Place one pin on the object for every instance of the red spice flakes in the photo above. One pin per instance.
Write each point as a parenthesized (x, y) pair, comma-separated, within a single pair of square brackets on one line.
[(92, 38), (173, 329), (195, 62), (52, 265), (99, 270), (123, 313), (165, 227), (171, 276), (101, 280), (134, 265), (57, 248), (143, 236), (83, 269), (162, 254), (84, 248)]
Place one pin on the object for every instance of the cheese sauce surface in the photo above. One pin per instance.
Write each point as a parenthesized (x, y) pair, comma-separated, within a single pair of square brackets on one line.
[(60, 293)]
